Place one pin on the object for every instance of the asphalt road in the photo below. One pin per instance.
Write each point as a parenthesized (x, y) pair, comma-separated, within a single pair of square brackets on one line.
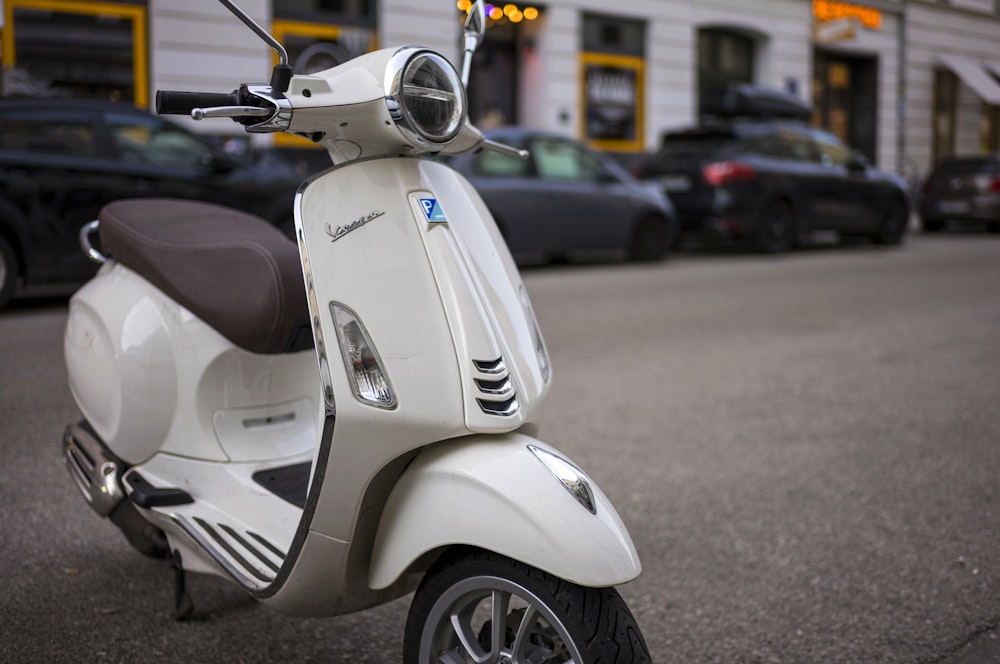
[(805, 450)]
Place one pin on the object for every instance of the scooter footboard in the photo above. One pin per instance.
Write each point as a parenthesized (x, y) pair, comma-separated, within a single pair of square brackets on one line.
[(496, 493)]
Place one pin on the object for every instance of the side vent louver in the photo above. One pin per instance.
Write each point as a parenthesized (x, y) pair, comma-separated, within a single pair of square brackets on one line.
[(496, 393)]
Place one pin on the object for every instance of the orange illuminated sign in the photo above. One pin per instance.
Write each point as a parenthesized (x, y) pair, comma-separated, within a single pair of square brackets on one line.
[(831, 10)]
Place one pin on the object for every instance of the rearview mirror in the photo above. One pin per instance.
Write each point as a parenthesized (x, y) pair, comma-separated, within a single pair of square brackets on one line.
[(475, 27)]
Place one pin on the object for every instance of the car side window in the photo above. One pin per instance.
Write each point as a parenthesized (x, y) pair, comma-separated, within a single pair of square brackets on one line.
[(832, 151), (151, 141), (796, 145), (48, 132), (495, 164), (561, 160)]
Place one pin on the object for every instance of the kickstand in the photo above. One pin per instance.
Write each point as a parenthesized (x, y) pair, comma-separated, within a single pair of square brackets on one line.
[(183, 606)]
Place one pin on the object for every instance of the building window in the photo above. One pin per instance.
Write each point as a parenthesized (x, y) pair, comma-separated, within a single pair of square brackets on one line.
[(724, 58), (845, 99), (945, 110), (612, 69), (53, 47)]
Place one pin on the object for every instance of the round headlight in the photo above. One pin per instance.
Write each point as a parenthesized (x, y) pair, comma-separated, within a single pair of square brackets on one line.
[(427, 98)]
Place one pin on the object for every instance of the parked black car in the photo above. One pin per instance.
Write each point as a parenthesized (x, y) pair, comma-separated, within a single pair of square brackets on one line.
[(761, 174), (962, 189), (567, 199), (62, 159)]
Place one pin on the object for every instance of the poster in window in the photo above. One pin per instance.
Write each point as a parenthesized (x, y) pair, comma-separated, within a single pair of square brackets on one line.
[(611, 102)]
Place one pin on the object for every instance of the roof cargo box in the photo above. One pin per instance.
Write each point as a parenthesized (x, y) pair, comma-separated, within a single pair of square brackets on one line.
[(754, 101)]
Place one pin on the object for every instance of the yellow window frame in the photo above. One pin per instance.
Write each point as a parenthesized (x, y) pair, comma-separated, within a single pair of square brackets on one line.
[(137, 14), (633, 62)]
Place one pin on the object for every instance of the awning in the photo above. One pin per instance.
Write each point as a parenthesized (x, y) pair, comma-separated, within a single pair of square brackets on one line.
[(975, 75)]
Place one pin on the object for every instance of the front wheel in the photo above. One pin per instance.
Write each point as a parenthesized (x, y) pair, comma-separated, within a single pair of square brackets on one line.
[(650, 240), (478, 606), (893, 224)]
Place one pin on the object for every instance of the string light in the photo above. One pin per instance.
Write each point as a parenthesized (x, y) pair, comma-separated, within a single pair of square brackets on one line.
[(510, 11)]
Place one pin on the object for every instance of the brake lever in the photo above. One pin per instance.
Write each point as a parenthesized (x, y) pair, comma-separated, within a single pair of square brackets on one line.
[(503, 148), (230, 112)]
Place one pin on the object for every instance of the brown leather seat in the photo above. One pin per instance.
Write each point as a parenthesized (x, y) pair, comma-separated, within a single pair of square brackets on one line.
[(233, 270)]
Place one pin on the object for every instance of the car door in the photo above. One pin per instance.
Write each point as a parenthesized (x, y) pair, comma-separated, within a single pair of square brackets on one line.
[(851, 199), (579, 203), (52, 182)]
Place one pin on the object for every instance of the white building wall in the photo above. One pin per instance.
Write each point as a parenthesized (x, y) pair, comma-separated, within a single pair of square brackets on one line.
[(199, 46)]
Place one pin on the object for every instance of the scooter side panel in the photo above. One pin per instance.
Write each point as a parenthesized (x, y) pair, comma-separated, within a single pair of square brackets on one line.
[(493, 493)]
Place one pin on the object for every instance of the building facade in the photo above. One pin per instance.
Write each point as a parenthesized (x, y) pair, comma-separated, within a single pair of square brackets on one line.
[(905, 81)]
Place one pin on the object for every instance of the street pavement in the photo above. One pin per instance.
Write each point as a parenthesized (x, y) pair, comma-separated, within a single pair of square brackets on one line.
[(804, 448)]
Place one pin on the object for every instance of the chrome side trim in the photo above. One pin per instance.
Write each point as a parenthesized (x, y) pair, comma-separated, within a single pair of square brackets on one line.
[(501, 408)]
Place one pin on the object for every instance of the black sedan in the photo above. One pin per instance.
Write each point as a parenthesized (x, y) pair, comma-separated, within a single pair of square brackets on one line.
[(62, 159), (771, 183), (567, 200)]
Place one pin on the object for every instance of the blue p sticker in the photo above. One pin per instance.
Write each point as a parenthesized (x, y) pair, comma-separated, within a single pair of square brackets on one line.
[(432, 210)]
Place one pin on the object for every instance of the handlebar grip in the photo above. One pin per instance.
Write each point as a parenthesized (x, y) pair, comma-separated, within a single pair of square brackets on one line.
[(172, 102)]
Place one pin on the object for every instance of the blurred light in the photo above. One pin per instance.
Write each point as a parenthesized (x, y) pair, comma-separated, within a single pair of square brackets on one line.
[(530, 13), (510, 10), (464, 5), (516, 17), (496, 13)]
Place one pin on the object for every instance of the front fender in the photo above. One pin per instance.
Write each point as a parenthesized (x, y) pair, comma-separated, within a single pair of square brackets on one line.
[(492, 492)]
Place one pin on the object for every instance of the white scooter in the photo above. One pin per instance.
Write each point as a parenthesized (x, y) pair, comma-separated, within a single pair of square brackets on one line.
[(409, 458)]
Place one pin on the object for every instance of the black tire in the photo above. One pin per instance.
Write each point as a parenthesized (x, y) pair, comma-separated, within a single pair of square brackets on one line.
[(566, 621), (8, 272), (650, 240), (893, 224), (931, 225), (993, 227), (775, 232)]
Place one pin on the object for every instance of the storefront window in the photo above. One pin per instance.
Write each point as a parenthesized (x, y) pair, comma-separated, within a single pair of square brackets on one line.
[(945, 103), (612, 65), (54, 47)]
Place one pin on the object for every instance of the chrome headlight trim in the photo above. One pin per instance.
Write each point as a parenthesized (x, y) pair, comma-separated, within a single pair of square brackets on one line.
[(419, 84)]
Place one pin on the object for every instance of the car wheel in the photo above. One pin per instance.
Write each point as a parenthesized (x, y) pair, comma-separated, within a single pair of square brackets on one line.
[(483, 607), (8, 272), (931, 225), (775, 229), (893, 224), (650, 240)]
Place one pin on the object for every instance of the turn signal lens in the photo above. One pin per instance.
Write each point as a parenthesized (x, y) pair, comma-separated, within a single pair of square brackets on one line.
[(367, 375), (536, 336)]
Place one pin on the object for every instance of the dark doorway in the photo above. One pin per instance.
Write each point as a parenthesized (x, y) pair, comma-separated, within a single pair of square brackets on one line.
[(845, 99)]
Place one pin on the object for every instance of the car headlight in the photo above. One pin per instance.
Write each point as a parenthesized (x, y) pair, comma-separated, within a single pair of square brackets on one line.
[(425, 97)]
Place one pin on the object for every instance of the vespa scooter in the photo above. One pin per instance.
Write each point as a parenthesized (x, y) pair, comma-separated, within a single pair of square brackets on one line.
[(337, 421)]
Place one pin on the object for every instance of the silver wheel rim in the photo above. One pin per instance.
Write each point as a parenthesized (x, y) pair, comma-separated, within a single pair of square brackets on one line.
[(461, 627)]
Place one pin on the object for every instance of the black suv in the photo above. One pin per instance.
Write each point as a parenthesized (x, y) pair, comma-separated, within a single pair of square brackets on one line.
[(756, 171), (963, 189), (62, 159)]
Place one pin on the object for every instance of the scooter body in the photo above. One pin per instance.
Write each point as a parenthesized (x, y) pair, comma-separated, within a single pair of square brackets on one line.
[(330, 478)]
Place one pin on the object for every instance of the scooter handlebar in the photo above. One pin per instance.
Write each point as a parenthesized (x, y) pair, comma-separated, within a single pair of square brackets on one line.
[(173, 102)]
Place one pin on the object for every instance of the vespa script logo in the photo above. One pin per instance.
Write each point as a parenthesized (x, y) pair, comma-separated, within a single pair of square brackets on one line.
[(341, 231)]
